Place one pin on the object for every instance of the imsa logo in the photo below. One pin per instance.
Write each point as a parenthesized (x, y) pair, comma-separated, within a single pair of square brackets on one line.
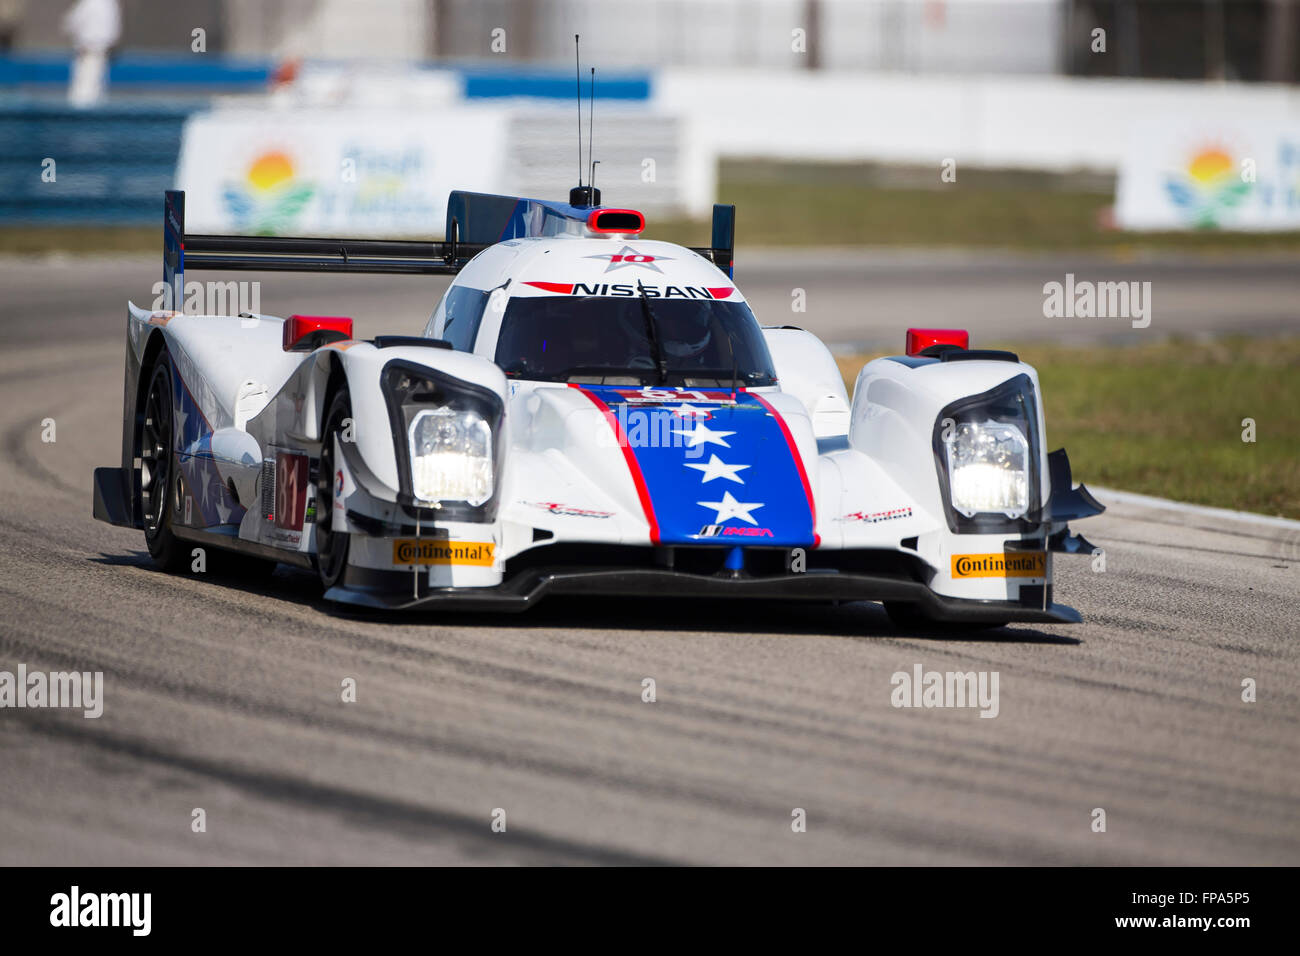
[(1019, 564), (431, 551)]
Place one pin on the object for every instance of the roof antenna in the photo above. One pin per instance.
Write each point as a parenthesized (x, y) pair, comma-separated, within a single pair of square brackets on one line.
[(583, 196), (591, 134), (577, 82)]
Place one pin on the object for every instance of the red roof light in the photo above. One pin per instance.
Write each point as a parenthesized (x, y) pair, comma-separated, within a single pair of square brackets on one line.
[(298, 327), (919, 339)]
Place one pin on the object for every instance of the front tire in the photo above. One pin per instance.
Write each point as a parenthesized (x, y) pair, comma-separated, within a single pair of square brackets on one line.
[(331, 545), (159, 477)]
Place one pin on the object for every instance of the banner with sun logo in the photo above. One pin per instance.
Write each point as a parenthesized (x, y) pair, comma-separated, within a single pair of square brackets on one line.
[(334, 172), (1211, 180)]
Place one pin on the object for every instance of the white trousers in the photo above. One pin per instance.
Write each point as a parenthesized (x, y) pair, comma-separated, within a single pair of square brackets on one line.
[(89, 72)]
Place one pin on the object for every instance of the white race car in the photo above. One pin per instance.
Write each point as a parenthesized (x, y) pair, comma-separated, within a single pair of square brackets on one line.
[(587, 412)]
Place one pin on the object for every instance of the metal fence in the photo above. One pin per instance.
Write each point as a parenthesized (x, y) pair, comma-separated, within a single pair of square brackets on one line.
[(108, 165)]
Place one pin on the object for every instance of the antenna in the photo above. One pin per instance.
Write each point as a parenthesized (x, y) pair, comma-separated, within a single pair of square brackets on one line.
[(591, 127), (584, 196), (577, 79)]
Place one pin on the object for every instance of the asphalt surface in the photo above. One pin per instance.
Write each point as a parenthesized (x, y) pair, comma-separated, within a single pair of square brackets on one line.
[(226, 696)]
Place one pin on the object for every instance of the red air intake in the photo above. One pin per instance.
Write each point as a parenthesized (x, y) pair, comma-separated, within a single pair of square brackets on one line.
[(627, 221), (918, 339), (331, 328)]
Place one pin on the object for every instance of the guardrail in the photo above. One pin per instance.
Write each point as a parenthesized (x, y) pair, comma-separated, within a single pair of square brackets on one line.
[(140, 72), (107, 165)]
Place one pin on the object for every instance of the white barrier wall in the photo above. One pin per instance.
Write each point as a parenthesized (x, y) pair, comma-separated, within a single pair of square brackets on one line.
[(1188, 155), (1051, 123)]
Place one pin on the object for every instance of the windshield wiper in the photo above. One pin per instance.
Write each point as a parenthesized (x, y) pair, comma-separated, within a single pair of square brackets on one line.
[(652, 330)]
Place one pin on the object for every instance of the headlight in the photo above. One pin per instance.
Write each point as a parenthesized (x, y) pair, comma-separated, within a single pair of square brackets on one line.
[(987, 457), (451, 456), (988, 468), (446, 431)]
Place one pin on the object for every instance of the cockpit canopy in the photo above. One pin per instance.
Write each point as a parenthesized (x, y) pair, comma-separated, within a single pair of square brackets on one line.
[(616, 340)]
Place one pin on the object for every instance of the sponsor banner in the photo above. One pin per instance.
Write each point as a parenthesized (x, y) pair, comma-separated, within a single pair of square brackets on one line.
[(408, 551), (1202, 175), (1012, 564), (335, 172)]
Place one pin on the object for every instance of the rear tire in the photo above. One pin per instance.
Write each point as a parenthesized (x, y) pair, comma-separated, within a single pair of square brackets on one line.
[(331, 546), (159, 476)]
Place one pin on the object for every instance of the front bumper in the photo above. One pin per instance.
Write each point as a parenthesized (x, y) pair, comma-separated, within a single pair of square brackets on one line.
[(399, 590)]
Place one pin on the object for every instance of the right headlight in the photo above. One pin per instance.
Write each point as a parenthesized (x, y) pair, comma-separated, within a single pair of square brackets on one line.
[(451, 456), (986, 453), (447, 432), (988, 468)]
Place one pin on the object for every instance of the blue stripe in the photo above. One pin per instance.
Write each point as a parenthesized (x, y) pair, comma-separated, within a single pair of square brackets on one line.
[(551, 84), (667, 441), (137, 70)]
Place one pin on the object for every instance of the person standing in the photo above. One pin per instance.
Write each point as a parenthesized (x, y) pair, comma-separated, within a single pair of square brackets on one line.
[(94, 26)]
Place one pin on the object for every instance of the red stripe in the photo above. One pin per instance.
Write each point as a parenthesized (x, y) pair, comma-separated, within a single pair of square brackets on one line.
[(629, 456), (798, 462)]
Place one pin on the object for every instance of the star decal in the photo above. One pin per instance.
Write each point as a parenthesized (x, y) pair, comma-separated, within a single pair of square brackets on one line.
[(717, 468), (690, 411), (729, 507), (703, 434), (627, 256)]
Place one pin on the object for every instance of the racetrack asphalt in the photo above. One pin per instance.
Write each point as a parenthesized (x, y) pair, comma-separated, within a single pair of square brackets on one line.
[(225, 696)]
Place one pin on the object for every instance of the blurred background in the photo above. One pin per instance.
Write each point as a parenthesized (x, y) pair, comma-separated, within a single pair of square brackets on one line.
[(894, 162), (1060, 122)]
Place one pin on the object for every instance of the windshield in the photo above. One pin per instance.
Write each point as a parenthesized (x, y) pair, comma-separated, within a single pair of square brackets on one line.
[(602, 339)]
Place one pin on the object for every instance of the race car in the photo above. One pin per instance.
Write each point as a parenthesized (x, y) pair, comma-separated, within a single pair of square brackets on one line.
[(587, 412)]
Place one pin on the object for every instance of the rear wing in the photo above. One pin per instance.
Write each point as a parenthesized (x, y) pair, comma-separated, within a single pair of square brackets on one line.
[(475, 221), (274, 254)]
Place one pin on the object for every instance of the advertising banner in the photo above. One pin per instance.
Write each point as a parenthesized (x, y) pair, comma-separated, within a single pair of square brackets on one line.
[(335, 172), (1194, 175)]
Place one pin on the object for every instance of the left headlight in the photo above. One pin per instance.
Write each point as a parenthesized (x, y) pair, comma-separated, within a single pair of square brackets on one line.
[(447, 433)]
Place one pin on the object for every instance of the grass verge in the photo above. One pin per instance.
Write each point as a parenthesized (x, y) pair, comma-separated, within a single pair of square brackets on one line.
[(1166, 419)]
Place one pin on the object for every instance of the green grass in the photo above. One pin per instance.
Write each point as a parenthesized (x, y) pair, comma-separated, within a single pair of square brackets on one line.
[(1165, 419), (784, 204), (80, 240)]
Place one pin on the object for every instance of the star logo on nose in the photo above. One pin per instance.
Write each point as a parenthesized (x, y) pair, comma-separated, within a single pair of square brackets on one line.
[(689, 411), (702, 435), (717, 468), (729, 507), (627, 256)]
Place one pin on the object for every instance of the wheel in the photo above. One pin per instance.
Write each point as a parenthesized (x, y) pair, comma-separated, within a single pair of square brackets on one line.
[(331, 546), (910, 617), (159, 481)]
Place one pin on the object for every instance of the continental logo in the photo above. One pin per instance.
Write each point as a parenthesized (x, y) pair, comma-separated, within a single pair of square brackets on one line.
[(1017, 564), (430, 551)]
